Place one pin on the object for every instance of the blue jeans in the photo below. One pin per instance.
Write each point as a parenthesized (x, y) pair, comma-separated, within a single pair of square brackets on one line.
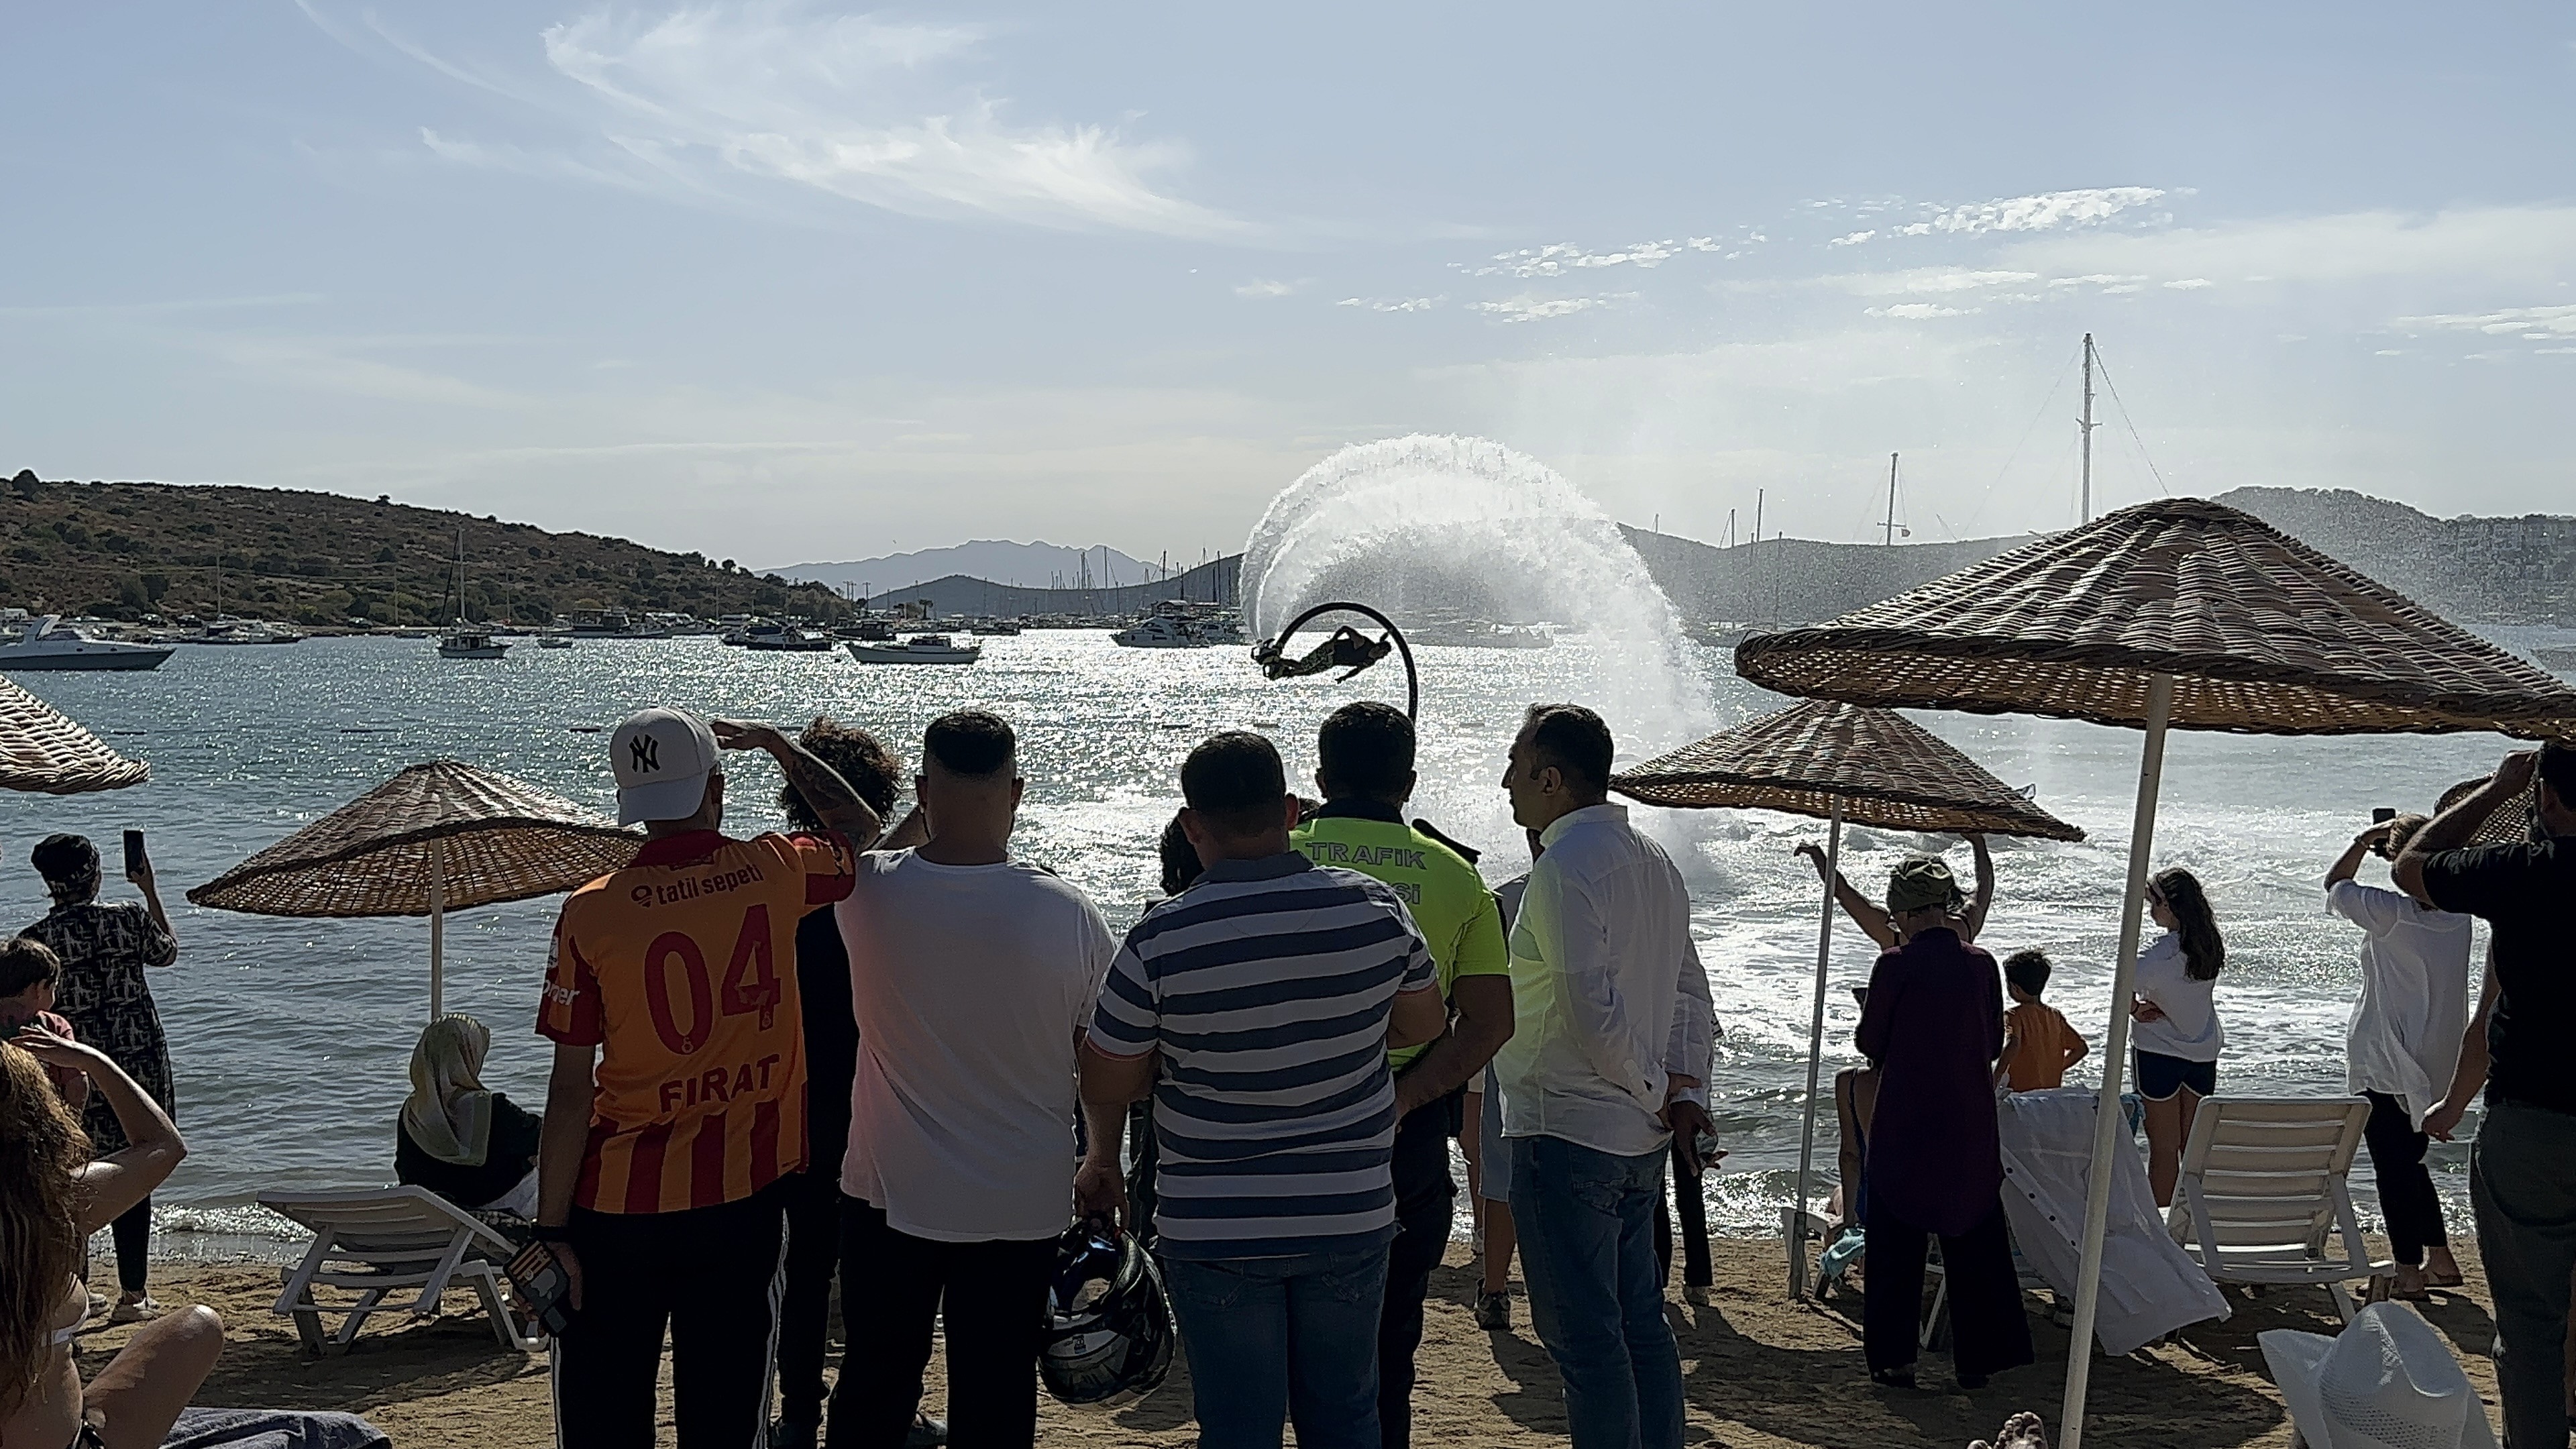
[(1587, 1230), (1273, 1340)]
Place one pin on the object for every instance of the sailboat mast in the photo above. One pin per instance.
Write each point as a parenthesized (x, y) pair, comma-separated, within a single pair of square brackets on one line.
[(2087, 426), (1890, 540)]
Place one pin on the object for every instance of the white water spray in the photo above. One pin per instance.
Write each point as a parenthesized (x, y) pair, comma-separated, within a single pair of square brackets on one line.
[(1422, 524)]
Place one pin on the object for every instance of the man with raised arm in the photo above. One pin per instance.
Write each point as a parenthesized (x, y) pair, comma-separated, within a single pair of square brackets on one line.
[(1610, 1061), (1364, 766), (2522, 1170), (678, 1095)]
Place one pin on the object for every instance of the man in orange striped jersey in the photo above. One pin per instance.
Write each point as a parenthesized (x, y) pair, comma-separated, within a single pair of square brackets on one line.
[(678, 1095)]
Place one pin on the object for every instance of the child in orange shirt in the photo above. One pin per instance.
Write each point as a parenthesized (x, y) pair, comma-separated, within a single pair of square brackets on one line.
[(2039, 1043)]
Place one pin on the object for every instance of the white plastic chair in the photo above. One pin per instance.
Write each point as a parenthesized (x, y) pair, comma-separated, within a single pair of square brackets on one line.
[(2263, 1192), (379, 1241)]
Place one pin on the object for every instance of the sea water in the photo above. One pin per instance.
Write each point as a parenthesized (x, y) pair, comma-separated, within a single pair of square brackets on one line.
[(290, 1037)]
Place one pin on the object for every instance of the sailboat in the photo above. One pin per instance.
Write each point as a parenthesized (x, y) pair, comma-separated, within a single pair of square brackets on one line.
[(465, 641)]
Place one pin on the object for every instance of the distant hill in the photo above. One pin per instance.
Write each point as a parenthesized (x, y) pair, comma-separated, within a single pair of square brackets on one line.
[(1795, 580), (1213, 582), (2476, 570), (121, 549), (1021, 565)]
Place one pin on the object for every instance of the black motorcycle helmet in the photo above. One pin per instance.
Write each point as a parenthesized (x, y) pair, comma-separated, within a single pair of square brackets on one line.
[(1109, 1325)]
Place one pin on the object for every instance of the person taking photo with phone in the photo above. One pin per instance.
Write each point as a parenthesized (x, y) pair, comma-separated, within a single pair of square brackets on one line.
[(105, 947)]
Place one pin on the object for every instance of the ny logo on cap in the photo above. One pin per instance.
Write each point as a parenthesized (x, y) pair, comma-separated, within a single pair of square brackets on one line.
[(643, 753)]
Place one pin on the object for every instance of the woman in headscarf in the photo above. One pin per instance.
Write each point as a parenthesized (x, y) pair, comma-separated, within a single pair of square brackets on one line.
[(473, 1147), (105, 948)]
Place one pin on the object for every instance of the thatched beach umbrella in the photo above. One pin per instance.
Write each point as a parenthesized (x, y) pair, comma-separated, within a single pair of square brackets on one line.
[(43, 750), (2174, 614), (438, 837), (1837, 762)]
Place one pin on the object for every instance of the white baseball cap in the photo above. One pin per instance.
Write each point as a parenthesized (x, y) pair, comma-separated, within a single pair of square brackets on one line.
[(662, 758), (2388, 1381)]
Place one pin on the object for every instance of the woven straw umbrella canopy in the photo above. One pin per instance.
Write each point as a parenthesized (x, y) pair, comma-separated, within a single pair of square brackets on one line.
[(2178, 613), (41, 749), (438, 837), (1838, 762)]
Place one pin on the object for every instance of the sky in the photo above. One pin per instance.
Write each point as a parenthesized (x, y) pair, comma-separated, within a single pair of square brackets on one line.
[(782, 281)]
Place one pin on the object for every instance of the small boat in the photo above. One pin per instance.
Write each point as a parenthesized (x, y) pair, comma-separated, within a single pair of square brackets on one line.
[(465, 641), (471, 644), (992, 628), (789, 641), (1160, 631), (919, 649), (241, 631), (554, 641), (48, 643)]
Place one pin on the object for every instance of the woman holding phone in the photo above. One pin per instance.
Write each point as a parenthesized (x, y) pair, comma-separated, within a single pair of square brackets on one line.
[(105, 949)]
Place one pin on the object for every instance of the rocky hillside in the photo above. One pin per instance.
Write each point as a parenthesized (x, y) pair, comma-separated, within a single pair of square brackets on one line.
[(2476, 570), (121, 550)]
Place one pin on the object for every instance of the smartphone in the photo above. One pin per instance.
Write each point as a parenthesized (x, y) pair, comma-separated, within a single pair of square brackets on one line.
[(544, 1288), (135, 864), (2383, 815)]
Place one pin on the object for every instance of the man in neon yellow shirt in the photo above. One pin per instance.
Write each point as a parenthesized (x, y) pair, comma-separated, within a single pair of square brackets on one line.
[(1365, 769)]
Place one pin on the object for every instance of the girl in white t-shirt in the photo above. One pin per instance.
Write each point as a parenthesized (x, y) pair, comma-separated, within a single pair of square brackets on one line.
[(2177, 1036)]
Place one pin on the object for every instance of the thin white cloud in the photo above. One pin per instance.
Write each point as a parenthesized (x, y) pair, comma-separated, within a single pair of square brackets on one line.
[(2533, 323), (1920, 311), (2044, 212), (1526, 308), (1558, 258), (1925, 281), (1853, 240), (1261, 287), (2522, 244), (1391, 304), (718, 99), (2189, 284)]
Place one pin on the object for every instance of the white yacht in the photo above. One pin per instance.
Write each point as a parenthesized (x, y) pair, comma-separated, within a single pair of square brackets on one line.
[(1160, 631), (468, 643), (48, 643), (919, 649)]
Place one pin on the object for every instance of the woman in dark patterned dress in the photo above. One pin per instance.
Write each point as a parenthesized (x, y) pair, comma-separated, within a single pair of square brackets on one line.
[(104, 950)]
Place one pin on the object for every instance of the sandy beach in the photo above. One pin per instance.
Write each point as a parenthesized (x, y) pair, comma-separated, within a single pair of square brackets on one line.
[(1760, 1373)]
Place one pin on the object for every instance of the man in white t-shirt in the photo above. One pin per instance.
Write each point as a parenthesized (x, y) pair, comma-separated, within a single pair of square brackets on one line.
[(970, 974)]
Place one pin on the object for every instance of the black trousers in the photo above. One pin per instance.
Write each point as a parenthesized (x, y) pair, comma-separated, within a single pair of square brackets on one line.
[(1988, 1331), (805, 1317), (991, 1299), (713, 1277), (2406, 1196), (1424, 1196), (132, 1232)]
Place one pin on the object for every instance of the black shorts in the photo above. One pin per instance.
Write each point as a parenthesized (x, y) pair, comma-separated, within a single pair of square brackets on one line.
[(2161, 1076)]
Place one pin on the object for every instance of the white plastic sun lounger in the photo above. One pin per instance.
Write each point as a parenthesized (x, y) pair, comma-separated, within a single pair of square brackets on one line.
[(379, 1241), (2263, 1193)]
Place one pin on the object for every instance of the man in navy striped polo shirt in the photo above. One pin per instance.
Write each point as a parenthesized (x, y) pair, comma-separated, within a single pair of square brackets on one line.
[(1259, 1005)]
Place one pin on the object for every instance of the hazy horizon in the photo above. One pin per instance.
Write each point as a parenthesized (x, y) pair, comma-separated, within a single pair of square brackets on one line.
[(780, 280)]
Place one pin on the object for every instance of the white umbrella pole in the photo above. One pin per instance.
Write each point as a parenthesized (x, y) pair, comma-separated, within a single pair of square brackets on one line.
[(2109, 1128), (1797, 1234), (437, 928)]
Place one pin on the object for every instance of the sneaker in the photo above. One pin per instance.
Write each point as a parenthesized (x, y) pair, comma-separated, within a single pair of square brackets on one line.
[(134, 1308), (927, 1432), (1494, 1312)]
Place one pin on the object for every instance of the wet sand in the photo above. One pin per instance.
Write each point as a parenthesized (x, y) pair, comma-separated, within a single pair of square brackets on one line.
[(1760, 1373)]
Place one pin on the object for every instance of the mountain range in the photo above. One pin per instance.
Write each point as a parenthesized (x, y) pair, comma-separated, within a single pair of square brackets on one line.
[(1000, 561)]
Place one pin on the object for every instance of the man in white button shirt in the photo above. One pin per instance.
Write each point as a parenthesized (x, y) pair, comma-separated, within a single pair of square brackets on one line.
[(1610, 1058)]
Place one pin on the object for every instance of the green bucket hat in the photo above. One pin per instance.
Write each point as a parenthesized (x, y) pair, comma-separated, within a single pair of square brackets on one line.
[(1920, 881)]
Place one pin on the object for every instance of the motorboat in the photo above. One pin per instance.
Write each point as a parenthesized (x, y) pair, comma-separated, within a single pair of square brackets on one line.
[(750, 632), (1482, 634), (48, 643), (238, 631), (554, 641), (789, 641), (919, 649), (471, 644), (1160, 631), (996, 628)]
